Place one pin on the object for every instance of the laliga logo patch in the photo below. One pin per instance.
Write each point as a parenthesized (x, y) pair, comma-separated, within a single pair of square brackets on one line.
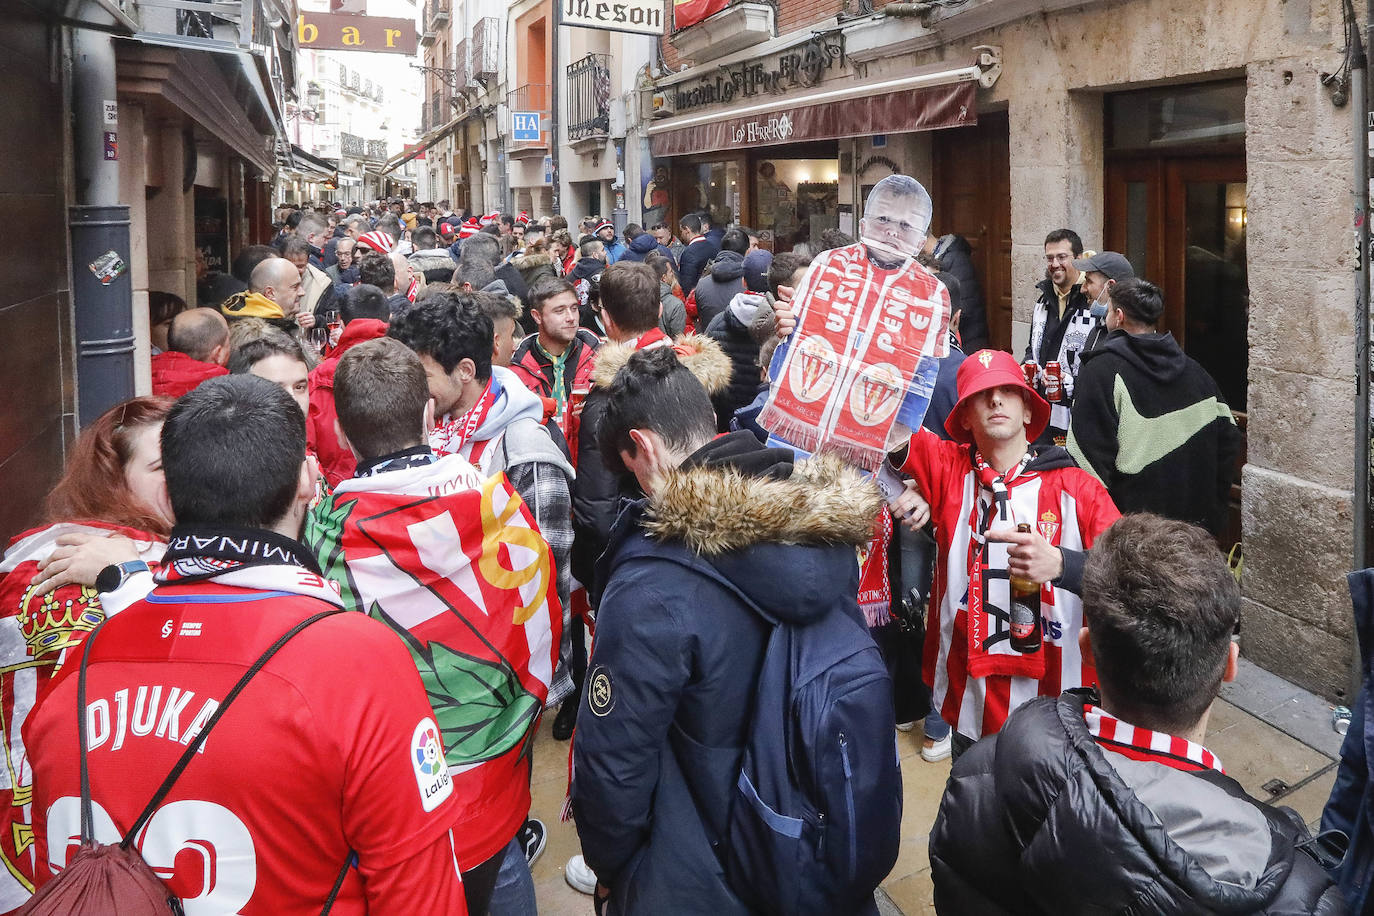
[(431, 770), (814, 370), (599, 696), (876, 394)]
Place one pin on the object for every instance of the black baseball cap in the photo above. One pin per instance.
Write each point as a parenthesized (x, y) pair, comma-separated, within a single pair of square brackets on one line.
[(1108, 263)]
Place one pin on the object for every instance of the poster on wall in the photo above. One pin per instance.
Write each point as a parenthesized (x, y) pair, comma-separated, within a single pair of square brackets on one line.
[(212, 232), (653, 185)]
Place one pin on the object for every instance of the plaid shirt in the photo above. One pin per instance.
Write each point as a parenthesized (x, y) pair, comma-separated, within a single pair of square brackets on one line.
[(545, 490)]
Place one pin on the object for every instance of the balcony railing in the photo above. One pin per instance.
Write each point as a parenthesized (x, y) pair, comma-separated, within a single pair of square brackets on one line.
[(589, 97), (436, 12), (462, 66), (531, 97), (486, 48)]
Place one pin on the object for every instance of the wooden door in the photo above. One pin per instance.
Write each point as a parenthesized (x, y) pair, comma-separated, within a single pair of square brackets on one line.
[(972, 197), (1180, 221)]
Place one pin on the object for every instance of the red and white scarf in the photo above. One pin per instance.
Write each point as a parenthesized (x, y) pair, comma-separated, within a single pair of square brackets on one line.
[(1143, 744), (989, 589), (875, 584), (449, 437), (861, 334)]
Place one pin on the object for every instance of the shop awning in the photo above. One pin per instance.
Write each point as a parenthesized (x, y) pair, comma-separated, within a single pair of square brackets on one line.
[(400, 159), (914, 103), (307, 163), (223, 87)]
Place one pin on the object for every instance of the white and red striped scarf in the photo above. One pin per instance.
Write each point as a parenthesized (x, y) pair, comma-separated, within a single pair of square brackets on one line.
[(1143, 744), (449, 436), (989, 593)]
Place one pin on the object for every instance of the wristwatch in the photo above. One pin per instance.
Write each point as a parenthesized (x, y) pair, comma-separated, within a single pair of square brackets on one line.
[(116, 574)]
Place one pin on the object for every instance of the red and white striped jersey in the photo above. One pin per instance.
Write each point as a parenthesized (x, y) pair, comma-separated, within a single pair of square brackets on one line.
[(1068, 507)]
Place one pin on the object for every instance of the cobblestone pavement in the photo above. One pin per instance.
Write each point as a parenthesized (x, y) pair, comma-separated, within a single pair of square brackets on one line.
[(1256, 747)]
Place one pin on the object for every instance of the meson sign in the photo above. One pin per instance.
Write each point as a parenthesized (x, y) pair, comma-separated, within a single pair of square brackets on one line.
[(351, 32), (641, 17)]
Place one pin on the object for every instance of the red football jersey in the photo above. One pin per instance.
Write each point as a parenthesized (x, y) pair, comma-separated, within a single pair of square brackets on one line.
[(332, 747)]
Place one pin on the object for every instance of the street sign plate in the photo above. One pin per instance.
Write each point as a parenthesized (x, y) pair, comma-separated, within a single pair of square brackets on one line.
[(525, 126)]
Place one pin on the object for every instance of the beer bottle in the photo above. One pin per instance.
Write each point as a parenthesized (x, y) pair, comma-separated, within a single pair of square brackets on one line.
[(1025, 610)]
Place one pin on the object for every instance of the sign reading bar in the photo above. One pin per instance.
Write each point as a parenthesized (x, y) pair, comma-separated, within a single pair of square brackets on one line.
[(525, 126), (642, 17), (350, 32), (929, 108)]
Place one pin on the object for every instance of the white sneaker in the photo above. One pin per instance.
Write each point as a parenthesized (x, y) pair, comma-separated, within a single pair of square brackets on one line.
[(579, 877), (933, 751)]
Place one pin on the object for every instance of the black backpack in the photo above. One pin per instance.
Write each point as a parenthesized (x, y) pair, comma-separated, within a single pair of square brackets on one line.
[(815, 823), (112, 879)]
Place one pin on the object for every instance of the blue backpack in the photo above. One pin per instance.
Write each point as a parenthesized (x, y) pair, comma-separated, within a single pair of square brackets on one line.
[(815, 822)]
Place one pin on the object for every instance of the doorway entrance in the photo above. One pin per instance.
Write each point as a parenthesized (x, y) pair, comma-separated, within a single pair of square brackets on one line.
[(971, 171), (1175, 206)]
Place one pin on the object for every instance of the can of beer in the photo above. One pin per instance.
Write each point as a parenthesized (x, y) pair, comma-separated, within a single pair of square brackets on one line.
[(1030, 369), (1054, 386)]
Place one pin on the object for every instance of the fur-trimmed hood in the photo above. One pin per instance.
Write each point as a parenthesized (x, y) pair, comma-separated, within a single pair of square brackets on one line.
[(786, 541), (701, 355), (531, 260), (717, 509)]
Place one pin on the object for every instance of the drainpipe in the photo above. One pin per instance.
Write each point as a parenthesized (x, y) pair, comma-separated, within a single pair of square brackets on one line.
[(555, 196), (1359, 65), (102, 291)]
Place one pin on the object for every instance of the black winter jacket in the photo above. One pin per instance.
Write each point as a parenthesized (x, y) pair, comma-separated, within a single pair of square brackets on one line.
[(733, 336), (1151, 424), (692, 261), (721, 283), (956, 257), (1038, 819), (661, 727)]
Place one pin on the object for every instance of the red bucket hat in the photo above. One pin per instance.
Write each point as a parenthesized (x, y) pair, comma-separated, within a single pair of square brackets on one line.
[(992, 369)]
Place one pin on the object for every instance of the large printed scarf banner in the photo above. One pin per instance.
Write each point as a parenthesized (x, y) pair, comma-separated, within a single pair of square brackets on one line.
[(38, 631), (454, 563), (863, 358)]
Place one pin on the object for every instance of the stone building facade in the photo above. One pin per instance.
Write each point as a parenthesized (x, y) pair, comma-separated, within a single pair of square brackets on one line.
[(1197, 137)]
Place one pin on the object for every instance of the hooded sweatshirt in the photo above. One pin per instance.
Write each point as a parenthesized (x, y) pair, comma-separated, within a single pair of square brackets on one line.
[(512, 439), (175, 373), (1151, 424), (723, 279), (644, 244), (337, 462), (677, 654), (1040, 819)]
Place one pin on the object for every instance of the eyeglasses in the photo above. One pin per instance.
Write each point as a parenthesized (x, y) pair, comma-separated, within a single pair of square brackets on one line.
[(900, 225), (1058, 258)]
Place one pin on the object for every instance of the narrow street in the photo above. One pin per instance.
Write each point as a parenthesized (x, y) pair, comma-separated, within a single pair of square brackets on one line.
[(1285, 735)]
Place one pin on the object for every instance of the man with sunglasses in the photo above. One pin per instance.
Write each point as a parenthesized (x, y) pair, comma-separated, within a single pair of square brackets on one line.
[(1061, 325)]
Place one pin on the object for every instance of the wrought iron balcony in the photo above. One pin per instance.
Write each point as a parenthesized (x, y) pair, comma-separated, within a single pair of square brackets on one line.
[(589, 97)]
